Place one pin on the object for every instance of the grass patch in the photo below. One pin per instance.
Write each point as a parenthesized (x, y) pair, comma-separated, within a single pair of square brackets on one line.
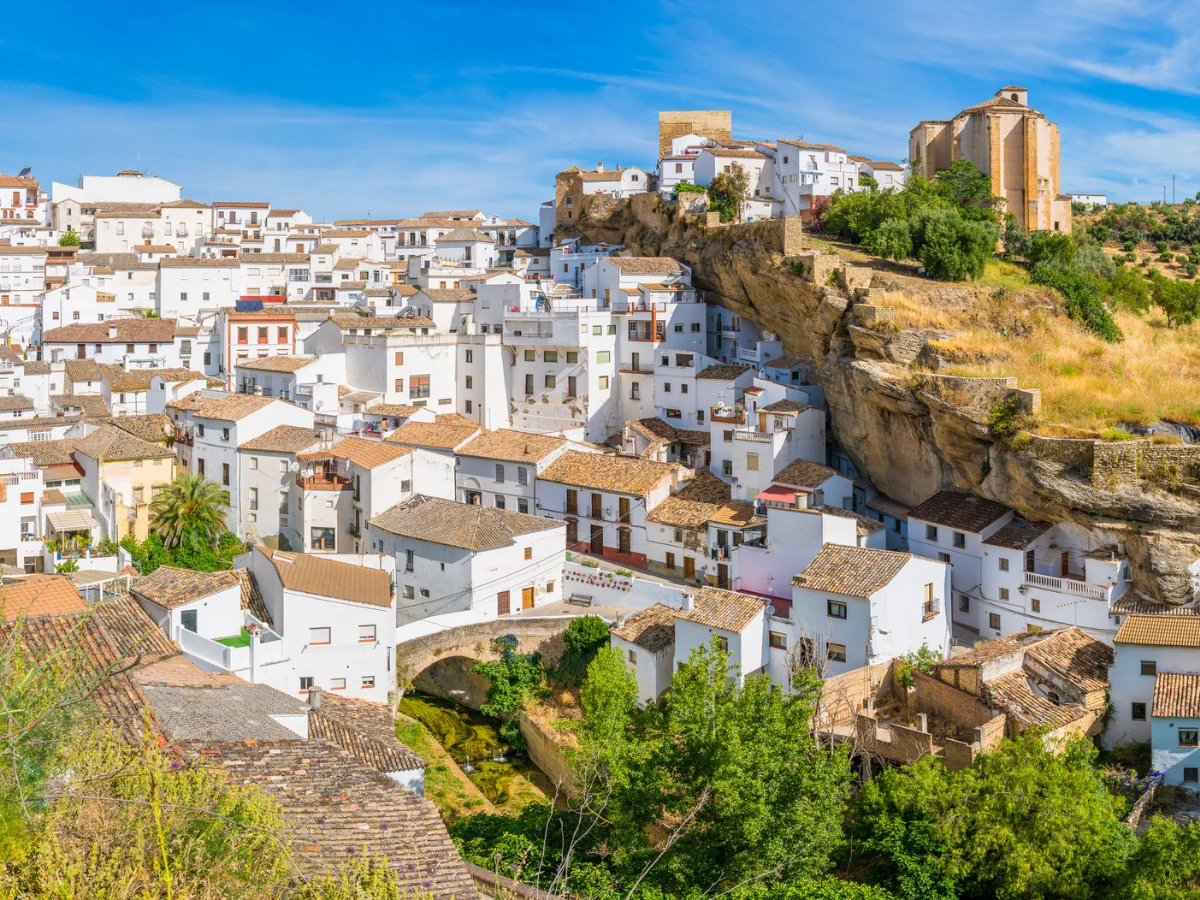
[(238, 640), (445, 784), (1004, 275)]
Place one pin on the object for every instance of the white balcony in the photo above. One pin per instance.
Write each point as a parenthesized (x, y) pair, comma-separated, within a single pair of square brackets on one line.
[(1071, 586)]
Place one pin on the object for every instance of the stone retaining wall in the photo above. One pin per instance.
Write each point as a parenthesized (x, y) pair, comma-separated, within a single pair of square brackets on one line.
[(546, 754)]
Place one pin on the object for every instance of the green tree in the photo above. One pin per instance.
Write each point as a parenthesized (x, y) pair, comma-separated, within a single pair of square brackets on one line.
[(951, 247), (892, 240), (1016, 240), (69, 239), (727, 191), (964, 186), (1050, 246), (1128, 290), (583, 638), (512, 679), (191, 503), (1179, 300), (1084, 294)]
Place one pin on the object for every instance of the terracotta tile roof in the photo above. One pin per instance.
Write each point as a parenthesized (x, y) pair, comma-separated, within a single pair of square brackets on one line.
[(864, 525), (20, 249), (118, 261), (804, 474), (652, 629), (268, 258), (1018, 534), (784, 408), (34, 367), (1023, 696), (368, 730), (39, 595), (512, 446), (59, 452), (736, 153), (647, 265), (659, 429), (853, 571), (52, 496), (276, 363), (1136, 603), (340, 807), (15, 403), (450, 214), (691, 507), (466, 235), (232, 408), (394, 410), (310, 573), (86, 653), (462, 525), (118, 378), (365, 453), (618, 474), (200, 262), (82, 370), (186, 204), (433, 435), (243, 204), (169, 587), (1160, 631), (726, 610), (283, 439), (960, 510), (723, 372), (1176, 696), (153, 427), (125, 331), (806, 146), (252, 598), (91, 405), (1081, 659), (449, 295), (345, 233), (883, 165), (133, 633), (346, 320), (109, 444)]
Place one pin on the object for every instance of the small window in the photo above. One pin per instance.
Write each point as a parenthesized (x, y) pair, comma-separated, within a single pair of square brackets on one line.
[(752, 462), (723, 643), (1149, 667), (777, 640), (530, 356), (1004, 593), (837, 653), (836, 609), (253, 463), (337, 684), (1189, 737), (319, 635), (633, 657), (931, 533), (366, 633), (1191, 774), (572, 356), (368, 682), (943, 557), (499, 473), (960, 540), (306, 682), (964, 603), (1035, 605), (529, 553), (1137, 712), (994, 621), (1003, 564)]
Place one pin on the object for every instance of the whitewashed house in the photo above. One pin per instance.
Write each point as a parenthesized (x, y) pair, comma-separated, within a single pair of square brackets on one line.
[(477, 560), (501, 468), (646, 640), (1145, 649), (738, 621), (805, 171)]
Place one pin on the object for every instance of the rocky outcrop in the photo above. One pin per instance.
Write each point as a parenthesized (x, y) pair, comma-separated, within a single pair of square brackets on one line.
[(912, 436)]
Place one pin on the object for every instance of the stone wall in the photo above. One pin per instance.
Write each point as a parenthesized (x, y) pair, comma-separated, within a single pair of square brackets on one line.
[(844, 696), (937, 698), (716, 124), (815, 267), (894, 742), (546, 754)]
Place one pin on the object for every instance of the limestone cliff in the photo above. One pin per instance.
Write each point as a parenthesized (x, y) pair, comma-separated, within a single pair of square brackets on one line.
[(913, 433)]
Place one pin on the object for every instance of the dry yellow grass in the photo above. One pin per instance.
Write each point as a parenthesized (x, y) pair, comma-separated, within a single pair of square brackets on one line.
[(1088, 385)]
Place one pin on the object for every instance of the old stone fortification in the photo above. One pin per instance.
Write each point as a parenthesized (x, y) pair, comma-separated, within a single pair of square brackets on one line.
[(911, 430)]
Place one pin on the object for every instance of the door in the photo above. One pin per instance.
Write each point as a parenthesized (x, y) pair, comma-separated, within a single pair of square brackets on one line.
[(1066, 565), (597, 503), (502, 604), (623, 540), (689, 567), (572, 531), (527, 598), (762, 421), (637, 362), (571, 383), (597, 539), (723, 576)]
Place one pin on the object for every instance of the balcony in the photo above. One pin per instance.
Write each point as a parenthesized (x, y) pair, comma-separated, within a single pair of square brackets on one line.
[(1070, 586), (754, 437), (734, 415), (321, 481)]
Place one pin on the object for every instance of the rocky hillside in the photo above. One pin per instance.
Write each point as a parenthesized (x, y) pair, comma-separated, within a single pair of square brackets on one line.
[(883, 342)]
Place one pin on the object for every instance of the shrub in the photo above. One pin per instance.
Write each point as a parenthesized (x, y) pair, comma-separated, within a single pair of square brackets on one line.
[(1112, 433), (1085, 297), (892, 240), (1002, 418), (589, 563), (583, 639), (951, 247)]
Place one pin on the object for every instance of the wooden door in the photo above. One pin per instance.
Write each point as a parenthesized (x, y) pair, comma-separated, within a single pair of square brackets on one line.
[(723, 576), (527, 598), (502, 604), (597, 506), (597, 539), (572, 531), (689, 567), (1066, 564), (762, 421)]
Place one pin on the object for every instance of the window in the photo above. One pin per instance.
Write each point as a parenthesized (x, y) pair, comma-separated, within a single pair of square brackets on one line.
[(728, 436), (727, 468), (399, 358), (243, 334), (529, 553), (409, 592), (752, 462), (1003, 564), (530, 356), (994, 621), (470, 382), (550, 381), (399, 385), (26, 498), (424, 592), (603, 385), (225, 474), (1189, 737), (835, 609), (666, 387), (253, 463), (499, 473), (522, 505), (1149, 667), (306, 682), (944, 557), (1035, 605), (695, 326), (836, 653), (550, 356), (603, 356), (319, 635), (678, 535), (1137, 712), (964, 603), (931, 533), (597, 329), (253, 498), (522, 475), (262, 334), (366, 634), (187, 619), (927, 608), (960, 540), (777, 640), (572, 356), (281, 335), (224, 434), (368, 682), (283, 466), (723, 643), (337, 684), (1191, 774), (418, 386), (1004, 594)]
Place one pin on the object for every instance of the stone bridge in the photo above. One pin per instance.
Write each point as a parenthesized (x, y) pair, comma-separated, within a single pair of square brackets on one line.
[(542, 634)]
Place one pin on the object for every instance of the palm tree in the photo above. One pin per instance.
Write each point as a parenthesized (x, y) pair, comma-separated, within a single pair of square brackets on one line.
[(191, 502)]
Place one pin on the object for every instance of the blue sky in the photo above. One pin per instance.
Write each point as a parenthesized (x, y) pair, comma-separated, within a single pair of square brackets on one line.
[(397, 108)]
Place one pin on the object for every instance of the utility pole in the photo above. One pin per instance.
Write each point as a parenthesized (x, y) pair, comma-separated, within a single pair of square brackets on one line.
[(1172, 190)]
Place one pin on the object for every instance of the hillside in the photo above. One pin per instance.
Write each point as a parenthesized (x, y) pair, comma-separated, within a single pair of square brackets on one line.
[(985, 386)]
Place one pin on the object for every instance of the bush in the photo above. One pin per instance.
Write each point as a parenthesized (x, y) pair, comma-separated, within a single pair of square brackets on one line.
[(589, 563), (70, 239), (951, 247), (583, 639), (1085, 298), (892, 240)]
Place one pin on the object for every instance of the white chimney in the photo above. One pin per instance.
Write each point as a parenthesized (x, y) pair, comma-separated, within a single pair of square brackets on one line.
[(314, 697), (688, 603), (112, 332), (801, 500), (600, 166), (258, 390)]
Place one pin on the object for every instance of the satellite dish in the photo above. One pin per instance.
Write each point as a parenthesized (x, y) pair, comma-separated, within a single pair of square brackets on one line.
[(295, 466)]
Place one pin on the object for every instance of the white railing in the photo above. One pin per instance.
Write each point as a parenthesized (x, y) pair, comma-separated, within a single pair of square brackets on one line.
[(755, 437), (1069, 586), (201, 647)]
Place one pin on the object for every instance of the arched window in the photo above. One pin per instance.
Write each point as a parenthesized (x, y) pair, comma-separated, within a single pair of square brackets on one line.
[(1014, 96)]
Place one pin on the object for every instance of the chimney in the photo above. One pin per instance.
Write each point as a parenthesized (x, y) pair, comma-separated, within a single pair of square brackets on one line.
[(688, 603), (600, 166), (255, 640), (801, 500), (258, 390), (314, 697), (112, 332)]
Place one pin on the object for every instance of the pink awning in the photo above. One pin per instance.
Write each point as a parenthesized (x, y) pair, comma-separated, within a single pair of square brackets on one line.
[(779, 494)]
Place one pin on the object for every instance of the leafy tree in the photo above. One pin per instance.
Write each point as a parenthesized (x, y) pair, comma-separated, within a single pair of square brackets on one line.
[(1050, 246), (192, 502), (1085, 297), (583, 638), (1094, 261), (512, 680), (1016, 239), (892, 240), (951, 247), (727, 191), (67, 566), (1023, 822), (964, 186), (69, 239), (1128, 290), (1179, 300)]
